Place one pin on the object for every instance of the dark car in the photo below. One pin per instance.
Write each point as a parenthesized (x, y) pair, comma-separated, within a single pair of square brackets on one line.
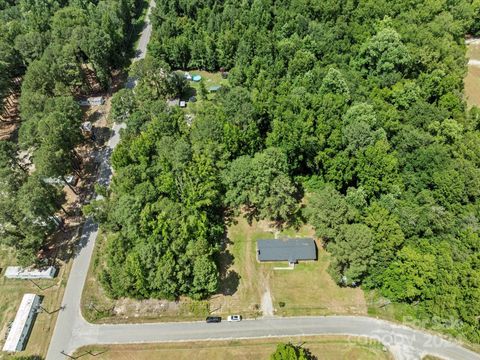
[(213, 319)]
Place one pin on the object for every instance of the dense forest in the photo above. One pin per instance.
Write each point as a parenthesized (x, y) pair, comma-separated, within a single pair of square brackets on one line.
[(58, 48), (354, 106)]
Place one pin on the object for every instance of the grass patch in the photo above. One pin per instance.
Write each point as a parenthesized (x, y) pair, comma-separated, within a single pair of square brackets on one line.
[(308, 289), (193, 88), (472, 80), (324, 347), (11, 294), (411, 315)]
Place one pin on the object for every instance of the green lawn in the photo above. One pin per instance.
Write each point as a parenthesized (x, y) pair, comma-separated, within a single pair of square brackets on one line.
[(324, 347), (309, 290), (209, 79), (306, 290)]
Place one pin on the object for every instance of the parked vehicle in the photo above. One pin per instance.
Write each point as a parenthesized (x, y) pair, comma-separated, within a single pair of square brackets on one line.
[(213, 319), (234, 318)]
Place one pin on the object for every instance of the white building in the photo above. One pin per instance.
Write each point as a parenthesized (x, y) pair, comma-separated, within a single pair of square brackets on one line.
[(92, 101), (21, 326), (17, 272)]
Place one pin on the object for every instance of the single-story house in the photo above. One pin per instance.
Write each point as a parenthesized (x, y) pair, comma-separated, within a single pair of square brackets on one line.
[(291, 250)]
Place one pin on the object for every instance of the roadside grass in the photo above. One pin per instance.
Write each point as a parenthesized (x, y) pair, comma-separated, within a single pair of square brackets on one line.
[(11, 293), (244, 296), (408, 314), (324, 347), (472, 79)]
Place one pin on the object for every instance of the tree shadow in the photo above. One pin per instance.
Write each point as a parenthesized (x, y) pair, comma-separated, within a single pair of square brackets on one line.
[(137, 27), (229, 284), (229, 279), (102, 135), (188, 92)]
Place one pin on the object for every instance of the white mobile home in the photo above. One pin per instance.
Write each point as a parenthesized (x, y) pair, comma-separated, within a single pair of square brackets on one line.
[(21, 326), (17, 272)]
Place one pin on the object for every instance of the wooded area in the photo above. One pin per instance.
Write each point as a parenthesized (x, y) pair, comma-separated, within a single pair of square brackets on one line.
[(345, 114), (358, 105), (56, 46)]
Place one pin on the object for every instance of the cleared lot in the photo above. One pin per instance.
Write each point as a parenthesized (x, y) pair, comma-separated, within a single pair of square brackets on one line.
[(472, 80), (306, 290)]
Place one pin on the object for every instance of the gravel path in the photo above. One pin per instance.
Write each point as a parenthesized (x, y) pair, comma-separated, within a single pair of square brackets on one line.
[(267, 304)]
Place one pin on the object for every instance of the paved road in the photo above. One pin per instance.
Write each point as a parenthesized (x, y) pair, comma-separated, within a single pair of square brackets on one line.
[(146, 33), (72, 331), (70, 320), (403, 342)]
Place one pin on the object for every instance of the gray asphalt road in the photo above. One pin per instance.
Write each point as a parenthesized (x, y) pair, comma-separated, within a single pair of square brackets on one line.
[(70, 321), (145, 36), (72, 331)]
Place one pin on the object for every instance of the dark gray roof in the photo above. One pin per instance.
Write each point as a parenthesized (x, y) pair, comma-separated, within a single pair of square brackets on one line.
[(288, 249)]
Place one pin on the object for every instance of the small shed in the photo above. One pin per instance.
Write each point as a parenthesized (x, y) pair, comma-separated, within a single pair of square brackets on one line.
[(22, 325), (183, 104), (173, 102), (87, 128), (291, 250), (196, 78), (17, 272), (214, 88), (92, 101)]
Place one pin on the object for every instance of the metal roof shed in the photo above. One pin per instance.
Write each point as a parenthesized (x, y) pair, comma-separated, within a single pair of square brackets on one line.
[(21, 326), (290, 250), (214, 88)]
